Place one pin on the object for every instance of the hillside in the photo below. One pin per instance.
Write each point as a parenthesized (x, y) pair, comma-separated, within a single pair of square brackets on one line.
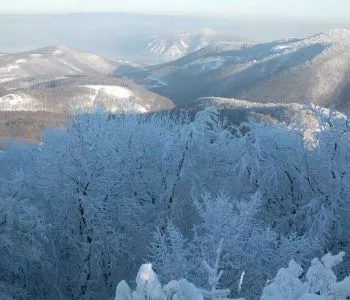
[(58, 81), (69, 93), (295, 70), (176, 45), (57, 60)]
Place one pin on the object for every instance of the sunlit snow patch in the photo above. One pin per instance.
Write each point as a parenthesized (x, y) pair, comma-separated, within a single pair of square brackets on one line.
[(57, 52), (35, 55), (2, 80), (113, 97), (70, 66), (280, 48), (156, 82), (111, 90)]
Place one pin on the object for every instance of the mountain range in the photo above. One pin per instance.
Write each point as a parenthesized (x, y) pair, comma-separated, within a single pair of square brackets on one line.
[(315, 69), (39, 88)]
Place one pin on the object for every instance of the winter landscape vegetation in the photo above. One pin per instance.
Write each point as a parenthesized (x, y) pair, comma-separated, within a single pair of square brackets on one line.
[(153, 151)]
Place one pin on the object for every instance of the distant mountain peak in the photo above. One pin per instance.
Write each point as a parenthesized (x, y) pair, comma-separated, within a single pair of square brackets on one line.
[(178, 44)]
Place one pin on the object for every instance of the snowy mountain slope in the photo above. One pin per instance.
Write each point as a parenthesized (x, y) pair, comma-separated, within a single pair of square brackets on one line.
[(313, 69), (25, 112), (66, 94), (178, 44), (58, 81), (57, 60), (172, 46)]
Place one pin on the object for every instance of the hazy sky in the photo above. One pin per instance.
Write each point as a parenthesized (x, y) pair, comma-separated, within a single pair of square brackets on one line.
[(290, 8)]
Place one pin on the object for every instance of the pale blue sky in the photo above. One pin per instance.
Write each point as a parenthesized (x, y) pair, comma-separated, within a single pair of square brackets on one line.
[(290, 8)]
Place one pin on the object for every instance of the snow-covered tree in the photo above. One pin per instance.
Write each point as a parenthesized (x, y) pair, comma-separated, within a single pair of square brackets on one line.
[(149, 286), (320, 282), (250, 245), (98, 189)]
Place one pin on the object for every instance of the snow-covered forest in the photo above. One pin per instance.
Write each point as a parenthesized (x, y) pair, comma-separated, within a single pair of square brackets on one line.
[(92, 203)]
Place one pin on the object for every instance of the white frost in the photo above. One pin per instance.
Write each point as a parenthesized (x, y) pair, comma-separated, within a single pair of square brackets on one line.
[(321, 282)]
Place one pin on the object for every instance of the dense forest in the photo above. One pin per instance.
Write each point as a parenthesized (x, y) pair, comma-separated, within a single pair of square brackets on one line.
[(90, 204)]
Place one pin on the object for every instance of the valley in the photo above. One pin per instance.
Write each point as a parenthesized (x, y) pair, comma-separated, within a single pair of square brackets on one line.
[(267, 72), (59, 80)]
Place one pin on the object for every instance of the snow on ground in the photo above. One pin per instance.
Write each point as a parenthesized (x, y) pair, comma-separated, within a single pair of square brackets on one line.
[(92, 57), (122, 106), (2, 80), (280, 48), (18, 102), (89, 102), (210, 63), (19, 61), (71, 66), (8, 68), (25, 84), (112, 90), (35, 55), (175, 51), (57, 52), (118, 99), (184, 44), (159, 83)]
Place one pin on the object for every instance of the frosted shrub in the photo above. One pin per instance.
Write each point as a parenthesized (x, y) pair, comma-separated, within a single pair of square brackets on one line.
[(149, 287), (320, 282)]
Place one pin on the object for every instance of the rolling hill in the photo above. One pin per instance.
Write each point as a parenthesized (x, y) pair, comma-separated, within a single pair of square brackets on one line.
[(60, 79), (57, 60), (50, 83)]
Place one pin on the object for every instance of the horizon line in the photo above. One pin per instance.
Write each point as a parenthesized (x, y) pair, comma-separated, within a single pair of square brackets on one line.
[(176, 14)]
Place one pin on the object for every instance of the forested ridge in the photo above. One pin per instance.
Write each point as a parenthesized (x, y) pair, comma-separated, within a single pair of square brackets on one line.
[(84, 209)]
